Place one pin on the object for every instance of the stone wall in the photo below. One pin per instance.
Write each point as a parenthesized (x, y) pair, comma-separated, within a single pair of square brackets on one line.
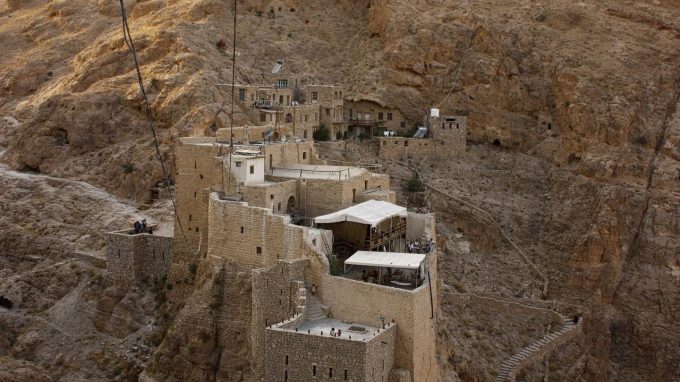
[(297, 356), (410, 309), (275, 197), (275, 296), (447, 139), (138, 258)]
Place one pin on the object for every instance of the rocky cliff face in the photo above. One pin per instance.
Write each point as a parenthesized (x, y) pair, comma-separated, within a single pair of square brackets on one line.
[(581, 97)]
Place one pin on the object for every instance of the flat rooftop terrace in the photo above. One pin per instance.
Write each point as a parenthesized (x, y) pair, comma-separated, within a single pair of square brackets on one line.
[(308, 171), (357, 332)]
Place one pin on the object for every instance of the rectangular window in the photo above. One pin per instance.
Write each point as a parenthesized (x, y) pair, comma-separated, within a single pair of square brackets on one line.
[(330, 372), (286, 359), (405, 143), (314, 370), (263, 117), (242, 94), (304, 134), (281, 83), (194, 194), (304, 155), (328, 112), (252, 169), (402, 124), (345, 374), (258, 250), (315, 96), (306, 117), (389, 116), (380, 116), (238, 164)]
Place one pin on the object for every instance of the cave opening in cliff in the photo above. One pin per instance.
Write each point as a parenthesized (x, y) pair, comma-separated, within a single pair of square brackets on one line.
[(5, 302), (497, 142)]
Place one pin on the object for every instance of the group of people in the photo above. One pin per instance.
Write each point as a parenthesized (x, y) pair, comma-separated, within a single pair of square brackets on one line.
[(141, 227), (416, 247), (336, 334)]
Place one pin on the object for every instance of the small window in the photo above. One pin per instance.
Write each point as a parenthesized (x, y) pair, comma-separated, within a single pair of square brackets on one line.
[(402, 124), (196, 229), (194, 165), (389, 116), (263, 117), (314, 370), (384, 143), (258, 250), (315, 96), (286, 359), (406, 143), (330, 372), (238, 164), (365, 185), (285, 376), (304, 155), (328, 112), (242, 94), (189, 217), (194, 194), (345, 374), (380, 116), (549, 126), (304, 134), (279, 206), (241, 229), (252, 169)]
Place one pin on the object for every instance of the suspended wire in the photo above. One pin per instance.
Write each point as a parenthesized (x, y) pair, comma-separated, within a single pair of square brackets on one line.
[(231, 116), (460, 66), (128, 41)]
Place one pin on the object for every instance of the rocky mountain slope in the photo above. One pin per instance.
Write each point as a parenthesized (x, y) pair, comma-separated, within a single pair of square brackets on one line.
[(580, 97)]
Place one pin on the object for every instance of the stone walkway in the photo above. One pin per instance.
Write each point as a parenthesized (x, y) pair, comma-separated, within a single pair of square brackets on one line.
[(538, 350)]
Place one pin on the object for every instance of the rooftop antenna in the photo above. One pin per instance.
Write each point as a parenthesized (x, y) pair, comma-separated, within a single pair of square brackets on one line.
[(233, 79)]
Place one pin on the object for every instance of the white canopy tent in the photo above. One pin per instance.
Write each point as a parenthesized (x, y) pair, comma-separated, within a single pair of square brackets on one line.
[(370, 212), (386, 259), (413, 264)]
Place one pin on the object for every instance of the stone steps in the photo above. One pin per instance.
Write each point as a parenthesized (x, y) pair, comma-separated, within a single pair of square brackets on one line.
[(314, 309), (511, 367)]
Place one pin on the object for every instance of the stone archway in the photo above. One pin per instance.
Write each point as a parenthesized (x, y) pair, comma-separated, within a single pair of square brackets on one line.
[(291, 206)]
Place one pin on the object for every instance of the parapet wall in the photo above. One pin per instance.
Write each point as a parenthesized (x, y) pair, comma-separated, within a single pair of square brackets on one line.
[(138, 258), (298, 356), (399, 148), (411, 310)]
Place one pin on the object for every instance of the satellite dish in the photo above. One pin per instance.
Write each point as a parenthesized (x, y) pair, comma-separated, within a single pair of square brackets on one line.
[(268, 134)]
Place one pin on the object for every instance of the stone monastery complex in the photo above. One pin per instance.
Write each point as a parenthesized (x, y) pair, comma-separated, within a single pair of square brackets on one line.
[(307, 262), (297, 270)]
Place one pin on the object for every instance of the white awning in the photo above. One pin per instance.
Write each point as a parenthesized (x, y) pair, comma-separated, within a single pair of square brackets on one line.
[(386, 259), (370, 212)]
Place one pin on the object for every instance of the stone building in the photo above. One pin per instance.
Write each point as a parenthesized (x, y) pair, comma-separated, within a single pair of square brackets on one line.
[(294, 104), (371, 117), (261, 258), (443, 136), (138, 258)]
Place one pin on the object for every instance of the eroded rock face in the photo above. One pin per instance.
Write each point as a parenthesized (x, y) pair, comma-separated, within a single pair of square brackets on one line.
[(580, 96)]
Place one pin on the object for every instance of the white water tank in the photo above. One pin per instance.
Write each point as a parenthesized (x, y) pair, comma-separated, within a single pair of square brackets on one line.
[(434, 112)]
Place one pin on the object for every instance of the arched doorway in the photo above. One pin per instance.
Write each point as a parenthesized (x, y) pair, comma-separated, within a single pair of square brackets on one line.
[(290, 206)]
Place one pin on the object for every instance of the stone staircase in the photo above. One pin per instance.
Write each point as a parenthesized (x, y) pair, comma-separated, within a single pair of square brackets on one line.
[(315, 310), (537, 350)]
